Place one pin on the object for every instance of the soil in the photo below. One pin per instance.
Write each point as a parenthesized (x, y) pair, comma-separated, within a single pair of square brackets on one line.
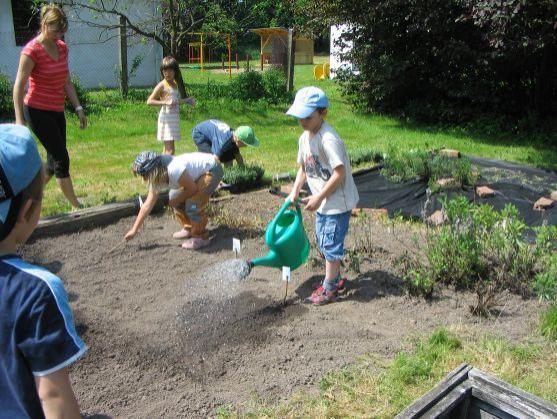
[(170, 334)]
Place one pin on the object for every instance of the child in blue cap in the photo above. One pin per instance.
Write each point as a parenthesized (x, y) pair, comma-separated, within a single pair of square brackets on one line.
[(325, 165), (38, 340)]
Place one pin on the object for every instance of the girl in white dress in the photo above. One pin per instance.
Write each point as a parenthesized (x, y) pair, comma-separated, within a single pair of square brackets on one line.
[(166, 95)]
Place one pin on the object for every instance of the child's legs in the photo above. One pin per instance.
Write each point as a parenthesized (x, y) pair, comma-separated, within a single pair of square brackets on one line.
[(331, 231), (179, 210), (197, 204), (169, 147)]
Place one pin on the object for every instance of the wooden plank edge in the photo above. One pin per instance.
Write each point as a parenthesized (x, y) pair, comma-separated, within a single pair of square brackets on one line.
[(487, 384), (445, 386)]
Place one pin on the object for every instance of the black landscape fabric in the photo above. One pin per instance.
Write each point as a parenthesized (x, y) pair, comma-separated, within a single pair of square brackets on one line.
[(519, 185)]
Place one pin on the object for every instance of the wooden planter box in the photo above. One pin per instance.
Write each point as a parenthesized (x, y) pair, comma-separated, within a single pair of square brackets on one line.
[(470, 393)]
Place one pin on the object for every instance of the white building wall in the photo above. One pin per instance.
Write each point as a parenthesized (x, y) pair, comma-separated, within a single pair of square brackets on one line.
[(94, 53), (335, 51)]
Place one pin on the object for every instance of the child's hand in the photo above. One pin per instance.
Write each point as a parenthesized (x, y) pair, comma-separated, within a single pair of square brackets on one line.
[(172, 102), (130, 234), (312, 202)]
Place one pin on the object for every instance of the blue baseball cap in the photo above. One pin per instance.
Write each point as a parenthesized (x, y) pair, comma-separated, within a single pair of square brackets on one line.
[(19, 164), (307, 100)]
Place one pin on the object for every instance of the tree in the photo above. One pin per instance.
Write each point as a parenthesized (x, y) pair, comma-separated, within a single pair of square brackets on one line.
[(168, 22), (449, 60)]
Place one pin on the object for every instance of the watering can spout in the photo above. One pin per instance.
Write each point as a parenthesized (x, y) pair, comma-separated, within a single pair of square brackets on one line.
[(271, 259)]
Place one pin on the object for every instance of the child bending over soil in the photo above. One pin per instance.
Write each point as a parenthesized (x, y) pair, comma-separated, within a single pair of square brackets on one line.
[(325, 164), (192, 179), (216, 137), (38, 340)]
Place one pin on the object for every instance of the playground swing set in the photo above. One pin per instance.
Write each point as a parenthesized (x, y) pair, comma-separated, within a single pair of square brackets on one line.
[(199, 52)]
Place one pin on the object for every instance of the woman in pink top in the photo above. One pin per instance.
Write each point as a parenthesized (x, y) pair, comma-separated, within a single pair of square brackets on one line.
[(44, 63)]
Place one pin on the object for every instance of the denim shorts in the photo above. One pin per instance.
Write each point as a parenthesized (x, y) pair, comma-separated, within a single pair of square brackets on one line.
[(330, 231)]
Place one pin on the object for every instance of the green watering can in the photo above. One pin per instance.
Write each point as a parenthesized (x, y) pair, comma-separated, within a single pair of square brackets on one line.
[(286, 238)]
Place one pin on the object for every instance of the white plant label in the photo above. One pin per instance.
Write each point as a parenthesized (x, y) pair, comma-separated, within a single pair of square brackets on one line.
[(140, 201), (286, 273), (236, 246)]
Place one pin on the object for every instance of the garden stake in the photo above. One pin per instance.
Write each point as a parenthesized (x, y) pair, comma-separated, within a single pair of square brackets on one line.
[(285, 294)]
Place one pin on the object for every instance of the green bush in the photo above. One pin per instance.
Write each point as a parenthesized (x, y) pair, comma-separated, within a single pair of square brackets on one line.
[(6, 101), (365, 155), (247, 86), (483, 250), (401, 166), (82, 94), (548, 323), (274, 82), (448, 60), (242, 178), (407, 165)]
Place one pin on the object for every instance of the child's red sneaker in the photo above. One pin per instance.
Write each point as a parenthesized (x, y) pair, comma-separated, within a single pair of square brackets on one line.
[(341, 287), (325, 297)]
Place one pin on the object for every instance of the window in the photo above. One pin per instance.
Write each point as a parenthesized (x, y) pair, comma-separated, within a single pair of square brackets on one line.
[(26, 21)]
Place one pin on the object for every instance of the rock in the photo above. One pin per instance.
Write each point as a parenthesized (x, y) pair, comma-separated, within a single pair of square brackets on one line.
[(485, 191), (437, 218), (543, 203), (447, 152), (444, 182)]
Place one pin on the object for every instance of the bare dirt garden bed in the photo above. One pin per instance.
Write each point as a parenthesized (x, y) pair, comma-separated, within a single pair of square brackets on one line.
[(172, 336)]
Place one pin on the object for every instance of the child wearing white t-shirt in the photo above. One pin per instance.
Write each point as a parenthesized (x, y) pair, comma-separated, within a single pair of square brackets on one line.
[(325, 165), (192, 179)]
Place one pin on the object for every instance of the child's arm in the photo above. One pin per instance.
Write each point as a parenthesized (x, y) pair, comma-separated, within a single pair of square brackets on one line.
[(57, 396), (144, 211), (298, 183), (155, 98), (239, 159), (189, 189), (188, 101), (334, 181)]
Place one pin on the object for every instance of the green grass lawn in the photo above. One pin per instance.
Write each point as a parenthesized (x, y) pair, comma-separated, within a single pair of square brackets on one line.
[(101, 155)]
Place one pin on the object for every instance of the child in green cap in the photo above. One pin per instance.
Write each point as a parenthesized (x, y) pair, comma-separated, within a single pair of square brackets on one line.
[(216, 137)]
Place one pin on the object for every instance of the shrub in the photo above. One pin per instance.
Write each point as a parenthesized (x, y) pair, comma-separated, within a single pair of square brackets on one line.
[(365, 155), (242, 178), (548, 323), (403, 166), (247, 86), (6, 102), (81, 92), (274, 82), (485, 251)]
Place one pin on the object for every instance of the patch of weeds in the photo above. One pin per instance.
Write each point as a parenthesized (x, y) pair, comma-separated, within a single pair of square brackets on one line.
[(365, 155), (484, 251), (249, 225), (362, 248), (243, 178), (548, 323), (225, 412), (402, 166)]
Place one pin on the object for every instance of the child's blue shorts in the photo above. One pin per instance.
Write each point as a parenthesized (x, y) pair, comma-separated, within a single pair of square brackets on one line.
[(331, 231)]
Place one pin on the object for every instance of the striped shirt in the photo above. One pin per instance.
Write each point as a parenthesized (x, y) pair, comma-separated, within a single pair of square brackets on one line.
[(47, 80)]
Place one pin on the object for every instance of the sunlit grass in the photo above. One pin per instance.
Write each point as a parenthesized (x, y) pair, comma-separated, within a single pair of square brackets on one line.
[(379, 387), (101, 155)]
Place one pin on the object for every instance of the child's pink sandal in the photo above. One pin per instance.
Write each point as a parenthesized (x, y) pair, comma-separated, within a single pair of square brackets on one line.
[(182, 234), (196, 243)]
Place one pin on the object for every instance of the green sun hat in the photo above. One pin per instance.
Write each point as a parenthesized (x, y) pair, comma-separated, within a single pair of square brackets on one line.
[(245, 134)]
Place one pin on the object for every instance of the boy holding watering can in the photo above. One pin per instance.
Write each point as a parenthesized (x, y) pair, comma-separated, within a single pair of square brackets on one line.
[(325, 165)]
